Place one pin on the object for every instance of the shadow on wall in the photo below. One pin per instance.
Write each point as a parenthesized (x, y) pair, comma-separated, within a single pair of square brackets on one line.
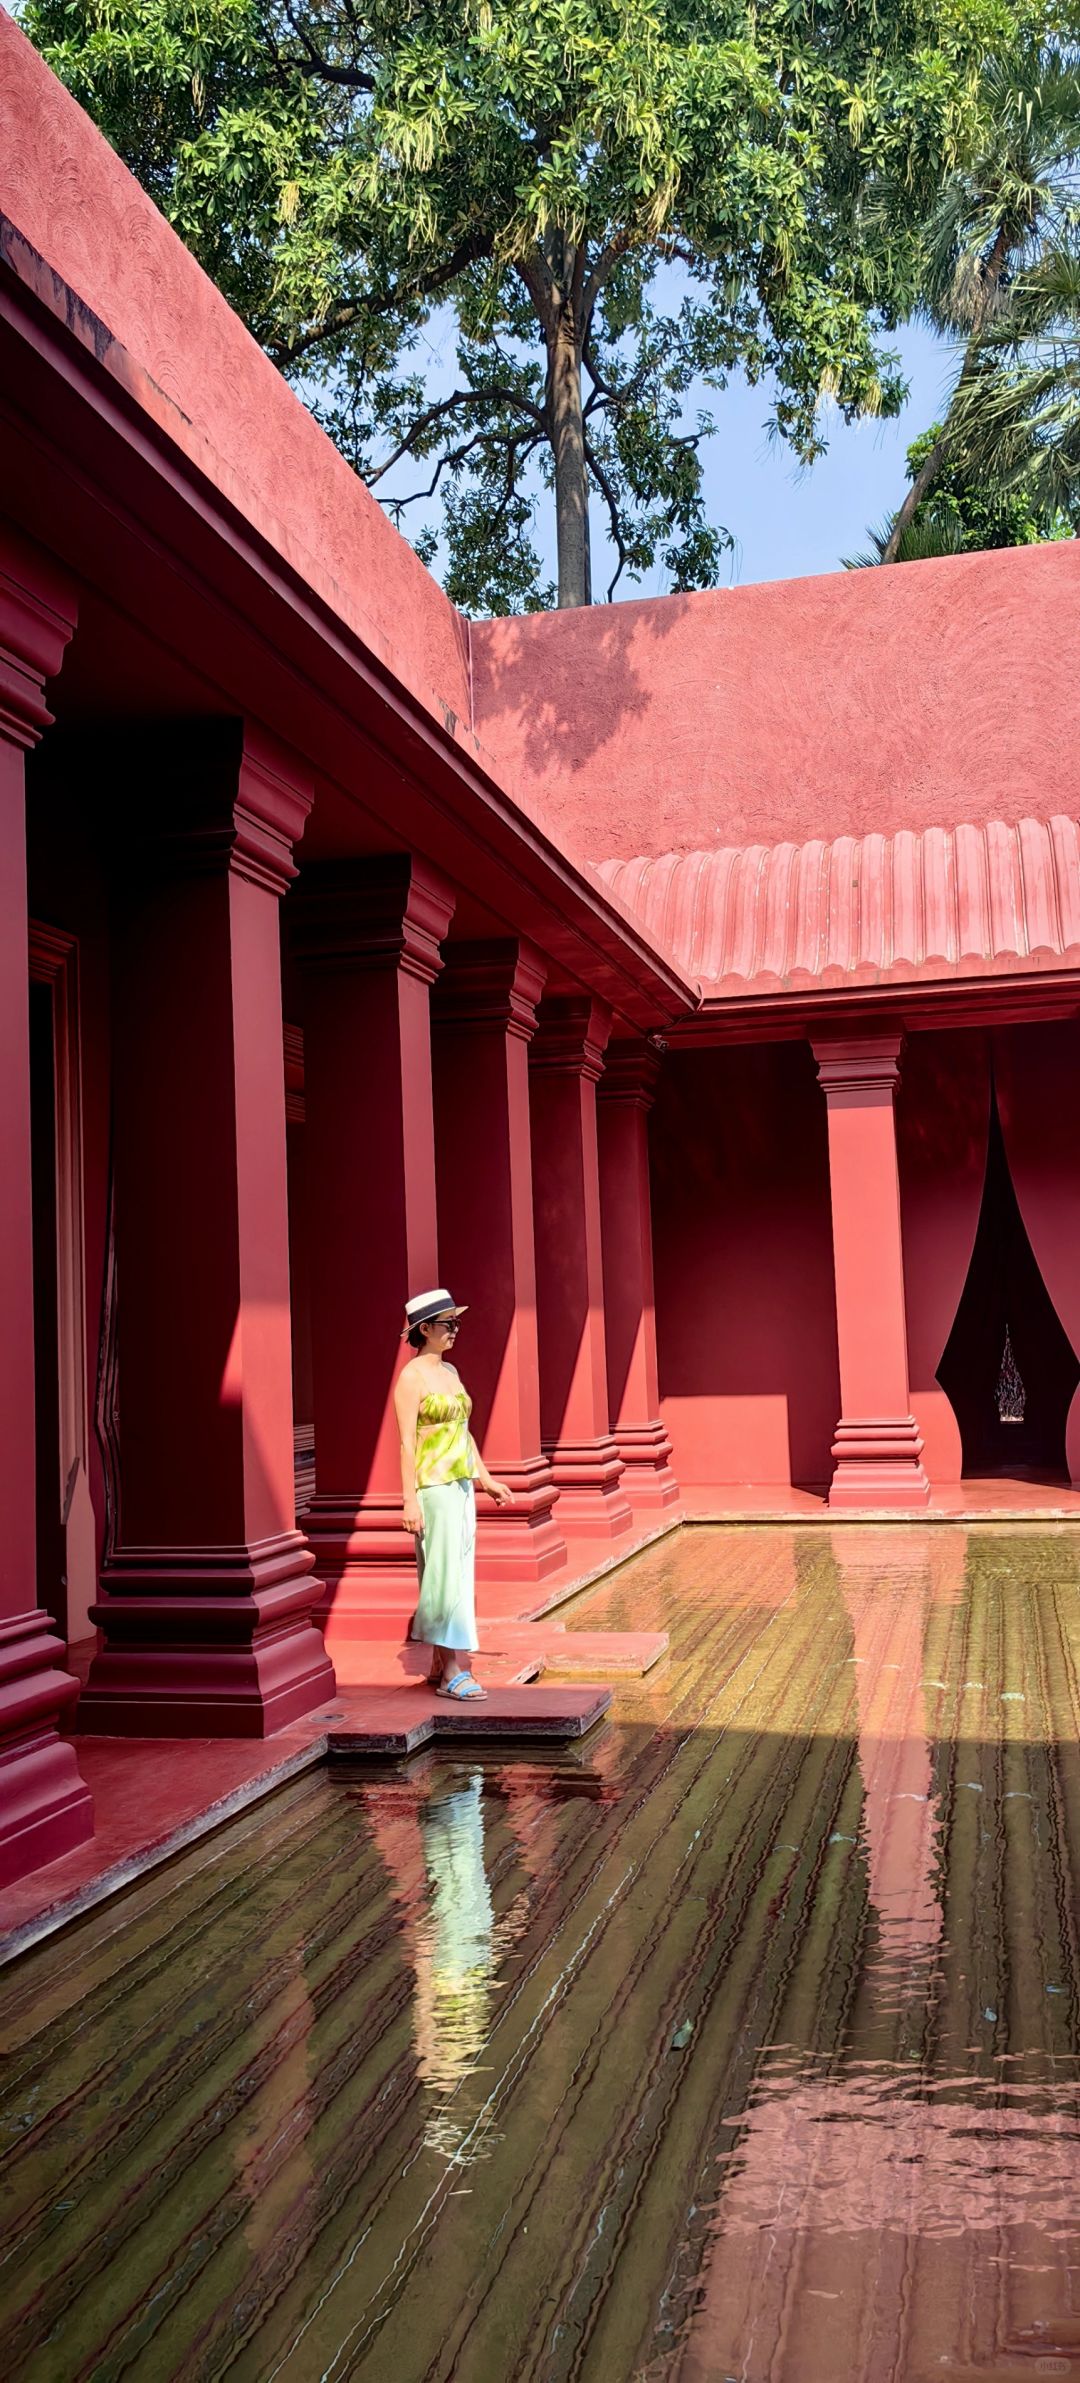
[(745, 1302), (551, 691)]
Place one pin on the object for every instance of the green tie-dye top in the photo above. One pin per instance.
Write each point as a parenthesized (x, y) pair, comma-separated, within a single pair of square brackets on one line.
[(444, 1443)]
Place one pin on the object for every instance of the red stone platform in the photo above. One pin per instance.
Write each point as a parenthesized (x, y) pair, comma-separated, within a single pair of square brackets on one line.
[(153, 1796), (963, 1501)]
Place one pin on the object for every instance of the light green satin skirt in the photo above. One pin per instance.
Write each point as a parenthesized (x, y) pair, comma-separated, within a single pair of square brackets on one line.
[(445, 1563)]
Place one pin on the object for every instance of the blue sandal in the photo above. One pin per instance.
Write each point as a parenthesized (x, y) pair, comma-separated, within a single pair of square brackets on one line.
[(463, 1688)]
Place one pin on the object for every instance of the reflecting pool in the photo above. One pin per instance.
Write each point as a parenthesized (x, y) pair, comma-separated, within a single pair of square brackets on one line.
[(741, 2042)]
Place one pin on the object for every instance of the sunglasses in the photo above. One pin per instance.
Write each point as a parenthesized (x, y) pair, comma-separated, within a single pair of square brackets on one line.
[(447, 1324)]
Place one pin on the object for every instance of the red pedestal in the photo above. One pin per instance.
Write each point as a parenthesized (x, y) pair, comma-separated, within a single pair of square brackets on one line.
[(625, 1096), (45, 1808), (877, 1449), (484, 1016), (565, 1064), (368, 938), (207, 1594)]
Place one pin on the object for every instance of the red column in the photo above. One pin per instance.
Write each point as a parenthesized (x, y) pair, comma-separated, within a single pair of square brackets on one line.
[(565, 1063), (484, 1015), (877, 1448), (207, 1596), (45, 1808), (368, 936), (625, 1096)]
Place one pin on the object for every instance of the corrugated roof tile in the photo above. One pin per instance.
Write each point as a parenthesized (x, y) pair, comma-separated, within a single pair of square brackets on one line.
[(940, 902)]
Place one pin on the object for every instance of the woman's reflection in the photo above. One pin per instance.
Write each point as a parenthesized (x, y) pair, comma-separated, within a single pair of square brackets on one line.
[(455, 1957)]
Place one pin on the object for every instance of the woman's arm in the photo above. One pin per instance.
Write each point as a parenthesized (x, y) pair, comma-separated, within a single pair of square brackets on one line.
[(499, 1490), (406, 1409)]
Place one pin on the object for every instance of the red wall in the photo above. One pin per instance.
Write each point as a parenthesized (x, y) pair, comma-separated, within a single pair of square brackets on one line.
[(745, 1314), (811, 707), (160, 326)]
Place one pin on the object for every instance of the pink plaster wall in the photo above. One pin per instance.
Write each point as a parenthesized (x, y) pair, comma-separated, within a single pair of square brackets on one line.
[(745, 1310), (159, 324), (874, 700), (868, 700)]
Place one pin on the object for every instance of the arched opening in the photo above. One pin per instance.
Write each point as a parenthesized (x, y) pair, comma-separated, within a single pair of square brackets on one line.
[(1009, 1369)]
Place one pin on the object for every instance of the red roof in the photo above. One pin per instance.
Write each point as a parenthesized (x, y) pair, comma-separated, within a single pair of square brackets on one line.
[(944, 902)]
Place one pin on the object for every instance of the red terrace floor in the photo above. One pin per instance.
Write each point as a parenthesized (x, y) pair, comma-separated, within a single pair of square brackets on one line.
[(964, 1501)]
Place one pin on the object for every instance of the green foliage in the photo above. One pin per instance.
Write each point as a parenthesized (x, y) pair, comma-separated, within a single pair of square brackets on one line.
[(1016, 423), (963, 514), (664, 190), (997, 269)]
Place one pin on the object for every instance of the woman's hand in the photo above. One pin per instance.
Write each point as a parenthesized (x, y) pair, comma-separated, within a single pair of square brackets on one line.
[(500, 1491), (412, 1517)]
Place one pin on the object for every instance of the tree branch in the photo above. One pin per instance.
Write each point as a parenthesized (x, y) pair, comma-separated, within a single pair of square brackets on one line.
[(450, 405), (608, 396), (603, 270), (468, 252), (989, 279), (483, 438), (353, 78), (611, 501), (538, 280)]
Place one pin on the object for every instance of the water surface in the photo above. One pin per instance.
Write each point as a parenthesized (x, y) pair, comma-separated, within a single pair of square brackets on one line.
[(741, 2042)]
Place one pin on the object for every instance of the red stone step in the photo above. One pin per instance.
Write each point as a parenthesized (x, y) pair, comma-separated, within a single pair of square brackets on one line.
[(390, 1723)]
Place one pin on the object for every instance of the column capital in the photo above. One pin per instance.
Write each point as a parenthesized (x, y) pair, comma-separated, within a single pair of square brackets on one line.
[(213, 797), (858, 1070), (37, 615), (572, 1036), (491, 984), (631, 1073), (391, 912)]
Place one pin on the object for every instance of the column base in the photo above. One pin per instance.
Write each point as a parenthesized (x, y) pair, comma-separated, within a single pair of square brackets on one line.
[(367, 1566), (214, 1642), (522, 1542), (588, 1475), (878, 1465), (648, 1480), (45, 1806)]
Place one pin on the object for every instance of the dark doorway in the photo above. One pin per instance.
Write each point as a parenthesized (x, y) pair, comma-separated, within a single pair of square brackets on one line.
[(51, 1536), (1009, 1369)]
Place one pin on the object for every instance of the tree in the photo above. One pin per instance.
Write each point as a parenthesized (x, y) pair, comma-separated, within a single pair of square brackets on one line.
[(995, 214), (619, 201), (966, 511), (1017, 422)]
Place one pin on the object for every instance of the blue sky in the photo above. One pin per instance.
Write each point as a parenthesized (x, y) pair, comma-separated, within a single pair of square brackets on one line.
[(789, 523)]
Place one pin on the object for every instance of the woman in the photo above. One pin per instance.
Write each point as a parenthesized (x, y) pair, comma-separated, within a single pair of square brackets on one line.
[(439, 1464)]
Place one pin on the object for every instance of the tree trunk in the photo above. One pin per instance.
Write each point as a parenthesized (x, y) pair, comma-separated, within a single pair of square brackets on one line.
[(931, 464), (568, 447), (924, 478)]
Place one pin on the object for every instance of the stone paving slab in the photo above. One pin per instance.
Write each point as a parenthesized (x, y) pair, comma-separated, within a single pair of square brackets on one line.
[(402, 1722)]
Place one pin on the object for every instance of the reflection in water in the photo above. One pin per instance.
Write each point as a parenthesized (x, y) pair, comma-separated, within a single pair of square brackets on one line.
[(896, 2202), (762, 2008), (454, 1949)]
